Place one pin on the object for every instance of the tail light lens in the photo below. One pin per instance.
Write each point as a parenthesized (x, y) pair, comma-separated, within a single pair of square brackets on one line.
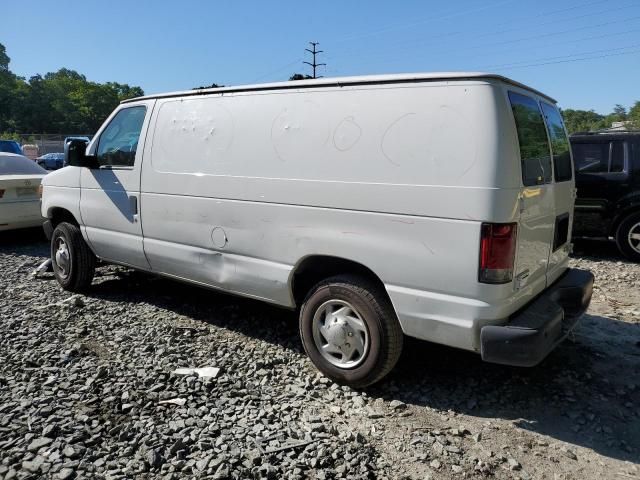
[(497, 252), (40, 190)]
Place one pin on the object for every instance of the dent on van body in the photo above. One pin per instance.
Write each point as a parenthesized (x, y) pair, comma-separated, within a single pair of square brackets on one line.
[(265, 242)]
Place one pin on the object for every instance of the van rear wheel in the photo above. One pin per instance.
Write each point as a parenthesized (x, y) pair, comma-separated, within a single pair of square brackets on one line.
[(628, 237), (350, 331), (73, 261)]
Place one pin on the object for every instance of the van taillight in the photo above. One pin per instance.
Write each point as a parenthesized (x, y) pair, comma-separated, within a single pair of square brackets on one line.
[(497, 252)]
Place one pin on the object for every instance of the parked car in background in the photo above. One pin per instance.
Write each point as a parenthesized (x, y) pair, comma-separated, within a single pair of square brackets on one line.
[(51, 161), (607, 169), (10, 146), (352, 200), (20, 180)]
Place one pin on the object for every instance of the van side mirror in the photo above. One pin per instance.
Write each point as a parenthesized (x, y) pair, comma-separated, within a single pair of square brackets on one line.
[(75, 154)]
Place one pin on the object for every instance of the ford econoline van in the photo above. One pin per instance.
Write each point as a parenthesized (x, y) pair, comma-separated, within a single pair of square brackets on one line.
[(437, 206)]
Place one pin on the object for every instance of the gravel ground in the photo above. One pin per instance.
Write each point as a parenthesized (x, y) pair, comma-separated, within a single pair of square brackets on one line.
[(85, 380)]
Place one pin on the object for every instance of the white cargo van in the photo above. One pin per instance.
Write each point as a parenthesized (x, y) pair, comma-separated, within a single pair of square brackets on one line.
[(437, 206)]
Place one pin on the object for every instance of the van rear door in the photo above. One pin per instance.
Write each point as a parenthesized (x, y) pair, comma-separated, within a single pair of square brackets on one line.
[(536, 200), (564, 192)]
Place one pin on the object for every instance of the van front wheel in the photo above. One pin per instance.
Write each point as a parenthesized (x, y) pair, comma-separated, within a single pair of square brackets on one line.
[(350, 331), (628, 237), (72, 260)]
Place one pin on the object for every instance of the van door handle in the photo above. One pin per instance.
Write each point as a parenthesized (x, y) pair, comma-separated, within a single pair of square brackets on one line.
[(133, 203)]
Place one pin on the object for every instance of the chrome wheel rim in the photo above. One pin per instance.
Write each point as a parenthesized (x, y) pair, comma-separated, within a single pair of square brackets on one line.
[(634, 237), (340, 334), (62, 257)]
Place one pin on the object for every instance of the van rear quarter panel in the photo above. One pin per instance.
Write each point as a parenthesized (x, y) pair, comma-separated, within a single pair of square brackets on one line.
[(397, 178)]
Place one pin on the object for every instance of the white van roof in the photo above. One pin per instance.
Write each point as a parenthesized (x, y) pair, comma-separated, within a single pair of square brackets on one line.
[(353, 80)]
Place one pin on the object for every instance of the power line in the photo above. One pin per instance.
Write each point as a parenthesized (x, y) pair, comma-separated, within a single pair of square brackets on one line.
[(290, 64), (399, 55), (314, 52), (441, 37), (581, 54), (528, 18), (573, 60), (554, 45), (423, 22), (561, 20), (553, 12), (551, 34)]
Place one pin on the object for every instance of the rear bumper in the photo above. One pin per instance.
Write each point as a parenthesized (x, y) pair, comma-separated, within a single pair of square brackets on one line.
[(20, 214), (534, 331)]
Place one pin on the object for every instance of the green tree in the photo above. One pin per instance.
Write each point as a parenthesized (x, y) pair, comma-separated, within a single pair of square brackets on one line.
[(583, 120), (124, 91), (299, 76), (7, 86), (213, 85), (634, 115), (620, 112), (4, 59), (58, 102)]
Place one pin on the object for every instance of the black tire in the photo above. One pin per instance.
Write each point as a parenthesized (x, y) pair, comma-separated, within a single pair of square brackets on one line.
[(385, 337), (631, 222), (75, 275)]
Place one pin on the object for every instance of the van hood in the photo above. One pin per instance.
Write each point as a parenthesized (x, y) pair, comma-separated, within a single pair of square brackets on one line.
[(64, 177)]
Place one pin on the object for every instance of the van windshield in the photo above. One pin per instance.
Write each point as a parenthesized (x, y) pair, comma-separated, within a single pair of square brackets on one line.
[(532, 137)]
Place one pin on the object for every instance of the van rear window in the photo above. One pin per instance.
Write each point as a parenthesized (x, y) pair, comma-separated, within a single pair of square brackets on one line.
[(532, 137), (559, 143)]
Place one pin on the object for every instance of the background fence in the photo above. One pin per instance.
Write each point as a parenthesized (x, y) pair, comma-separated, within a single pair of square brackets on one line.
[(47, 143)]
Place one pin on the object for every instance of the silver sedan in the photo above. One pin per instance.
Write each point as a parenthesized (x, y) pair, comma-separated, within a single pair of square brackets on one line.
[(20, 180)]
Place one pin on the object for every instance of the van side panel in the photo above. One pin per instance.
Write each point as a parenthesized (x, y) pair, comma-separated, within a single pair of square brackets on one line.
[(237, 189), (305, 147)]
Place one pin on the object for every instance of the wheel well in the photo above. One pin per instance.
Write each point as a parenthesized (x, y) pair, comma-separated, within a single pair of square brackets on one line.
[(59, 215), (621, 217), (316, 268)]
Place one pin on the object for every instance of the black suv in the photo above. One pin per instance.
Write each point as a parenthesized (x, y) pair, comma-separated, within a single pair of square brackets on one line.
[(608, 181)]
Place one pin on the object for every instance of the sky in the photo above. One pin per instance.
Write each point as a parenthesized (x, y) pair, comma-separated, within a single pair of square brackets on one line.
[(584, 53)]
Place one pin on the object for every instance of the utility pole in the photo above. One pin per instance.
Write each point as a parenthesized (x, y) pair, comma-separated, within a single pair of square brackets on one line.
[(314, 52)]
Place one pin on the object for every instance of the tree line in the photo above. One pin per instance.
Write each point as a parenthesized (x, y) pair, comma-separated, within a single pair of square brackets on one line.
[(588, 120), (66, 102), (57, 102)]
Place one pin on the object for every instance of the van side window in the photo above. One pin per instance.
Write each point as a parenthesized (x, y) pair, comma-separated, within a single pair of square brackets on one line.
[(562, 168), (118, 142), (532, 137)]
